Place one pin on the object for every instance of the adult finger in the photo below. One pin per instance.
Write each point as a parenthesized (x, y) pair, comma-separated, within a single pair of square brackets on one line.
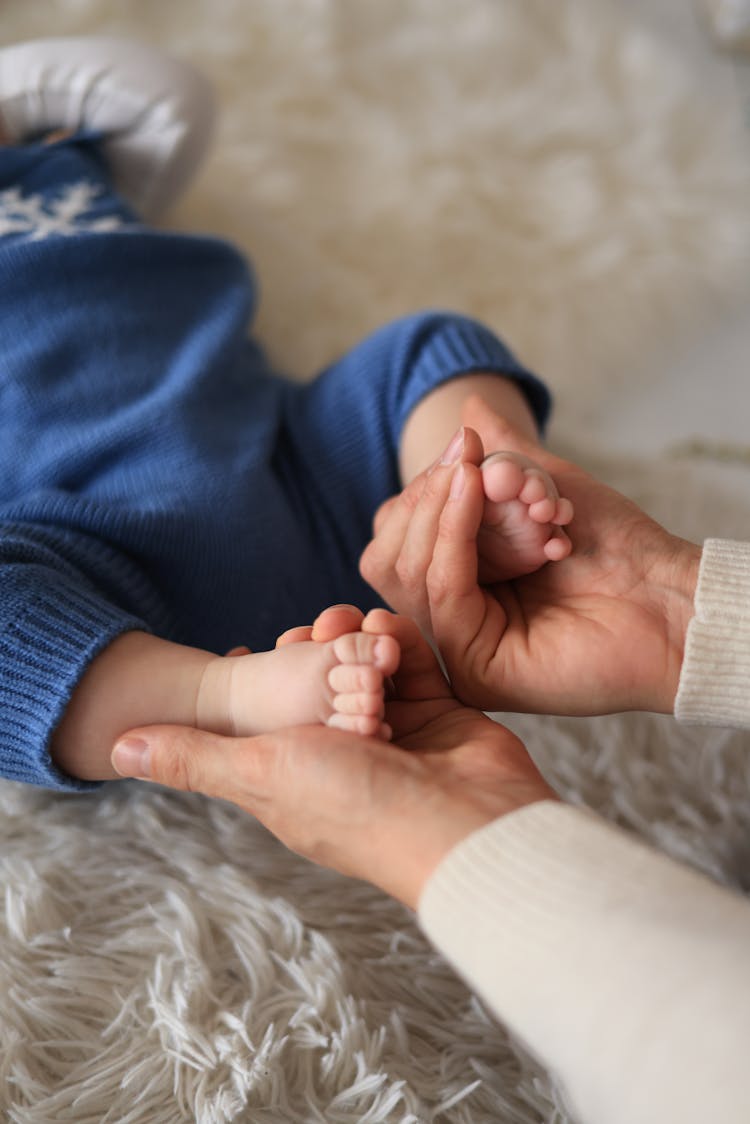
[(383, 513), (336, 621), (331, 623), (378, 560), (409, 571), (395, 561), (192, 760), (292, 636), (467, 622), (312, 786)]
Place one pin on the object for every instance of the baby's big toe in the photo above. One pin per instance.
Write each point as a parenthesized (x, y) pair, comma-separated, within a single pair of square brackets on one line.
[(503, 478)]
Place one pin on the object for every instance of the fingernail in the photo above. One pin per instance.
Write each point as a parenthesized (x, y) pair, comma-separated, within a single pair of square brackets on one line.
[(455, 448), (132, 758), (457, 483)]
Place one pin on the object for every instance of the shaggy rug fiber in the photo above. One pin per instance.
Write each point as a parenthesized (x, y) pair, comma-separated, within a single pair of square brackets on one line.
[(543, 165)]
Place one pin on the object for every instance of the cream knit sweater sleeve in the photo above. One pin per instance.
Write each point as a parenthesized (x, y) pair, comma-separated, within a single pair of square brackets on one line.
[(626, 973), (715, 681)]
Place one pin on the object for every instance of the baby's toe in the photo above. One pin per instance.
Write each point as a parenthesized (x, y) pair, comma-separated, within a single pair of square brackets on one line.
[(502, 479), (367, 725), (558, 547), (354, 678), (535, 488), (564, 513), (363, 703), (543, 510)]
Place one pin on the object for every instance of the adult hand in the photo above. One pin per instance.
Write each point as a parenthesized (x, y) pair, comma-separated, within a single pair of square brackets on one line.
[(601, 631), (384, 812)]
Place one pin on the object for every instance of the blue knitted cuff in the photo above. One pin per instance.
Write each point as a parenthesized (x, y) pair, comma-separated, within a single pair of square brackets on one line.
[(45, 651), (458, 345)]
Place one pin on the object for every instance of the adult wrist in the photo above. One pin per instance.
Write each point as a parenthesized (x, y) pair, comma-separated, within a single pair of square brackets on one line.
[(716, 669), (679, 611), (670, 576), (442, 825)]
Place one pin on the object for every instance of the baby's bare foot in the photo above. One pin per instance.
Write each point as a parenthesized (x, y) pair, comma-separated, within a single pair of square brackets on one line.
[(523, 518), (339, 683)]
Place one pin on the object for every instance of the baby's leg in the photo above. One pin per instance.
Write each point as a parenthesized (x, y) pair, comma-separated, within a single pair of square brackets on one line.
[(436, 418), (524, 515), (340, 683), (523, 518), (370, 419)]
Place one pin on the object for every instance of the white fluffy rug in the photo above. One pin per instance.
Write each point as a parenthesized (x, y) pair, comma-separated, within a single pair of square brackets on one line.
[(547, 167)]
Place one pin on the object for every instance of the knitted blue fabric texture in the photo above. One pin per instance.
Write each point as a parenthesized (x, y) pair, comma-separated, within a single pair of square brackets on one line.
[(155, 472)]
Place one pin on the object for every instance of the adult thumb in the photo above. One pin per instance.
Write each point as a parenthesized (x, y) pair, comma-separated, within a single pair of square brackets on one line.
[(180, 757)]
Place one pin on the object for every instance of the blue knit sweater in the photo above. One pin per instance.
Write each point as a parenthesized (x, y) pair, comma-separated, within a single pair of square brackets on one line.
[(155, 472)]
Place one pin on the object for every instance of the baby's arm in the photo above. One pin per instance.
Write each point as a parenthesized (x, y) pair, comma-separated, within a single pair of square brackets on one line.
[(140, 680)]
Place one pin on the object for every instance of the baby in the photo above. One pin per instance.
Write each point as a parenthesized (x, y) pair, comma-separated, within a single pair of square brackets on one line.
[(165, 494)]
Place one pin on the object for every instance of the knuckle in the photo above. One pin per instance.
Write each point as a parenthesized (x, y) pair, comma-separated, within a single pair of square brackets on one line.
[(437, 484), (408, 573), (381, 515), (439, 585), (174, 765), (370, 562), (409, 498)]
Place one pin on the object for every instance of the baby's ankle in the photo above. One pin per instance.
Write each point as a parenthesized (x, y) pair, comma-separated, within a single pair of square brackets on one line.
[(213, 703)]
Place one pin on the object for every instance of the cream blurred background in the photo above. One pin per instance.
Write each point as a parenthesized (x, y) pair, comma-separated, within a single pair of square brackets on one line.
[(575, 173)]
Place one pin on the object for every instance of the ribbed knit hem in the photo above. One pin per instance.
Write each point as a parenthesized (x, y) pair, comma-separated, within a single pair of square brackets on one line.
[(46, 651), (607, 958), (461, 346), (714, 686), (342, 432)]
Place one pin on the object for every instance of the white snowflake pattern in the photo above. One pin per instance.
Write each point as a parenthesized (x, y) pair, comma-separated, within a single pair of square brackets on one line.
[(40, 216)]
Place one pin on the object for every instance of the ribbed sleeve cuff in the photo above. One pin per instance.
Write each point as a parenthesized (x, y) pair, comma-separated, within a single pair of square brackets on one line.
[(714, 687), (607, 958), (46, 650), (461, 346)]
